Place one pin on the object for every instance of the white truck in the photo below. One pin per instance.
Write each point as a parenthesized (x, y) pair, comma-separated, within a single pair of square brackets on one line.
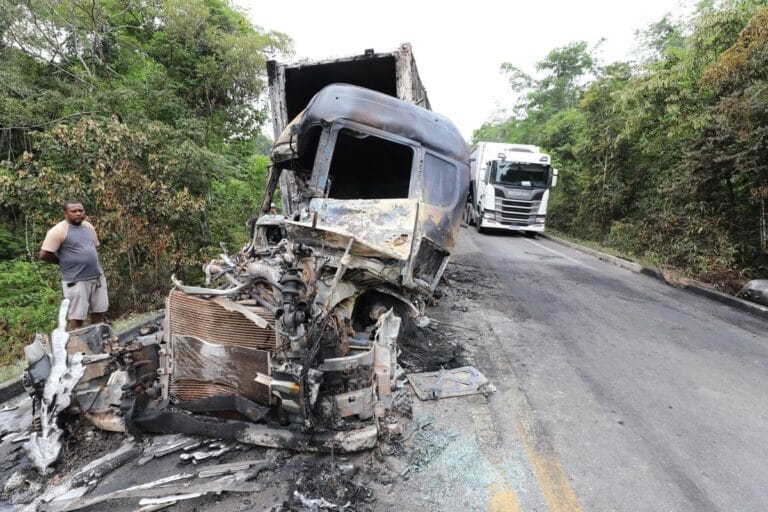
[(509, 187)]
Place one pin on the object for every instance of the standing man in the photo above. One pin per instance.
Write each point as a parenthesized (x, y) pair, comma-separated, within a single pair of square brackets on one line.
[(72, 245)]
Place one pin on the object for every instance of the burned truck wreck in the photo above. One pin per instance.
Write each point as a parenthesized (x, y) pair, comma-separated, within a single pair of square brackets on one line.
[(292, 341)]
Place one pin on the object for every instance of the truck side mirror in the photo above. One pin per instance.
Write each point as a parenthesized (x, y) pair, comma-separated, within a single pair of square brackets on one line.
[(554, 178)]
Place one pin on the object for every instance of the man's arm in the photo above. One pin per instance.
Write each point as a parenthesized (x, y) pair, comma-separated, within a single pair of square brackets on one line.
[(52, 243), (48, 257)]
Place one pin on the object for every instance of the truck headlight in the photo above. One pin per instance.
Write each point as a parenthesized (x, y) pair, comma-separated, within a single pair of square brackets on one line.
[(540, 219), (489, 214)]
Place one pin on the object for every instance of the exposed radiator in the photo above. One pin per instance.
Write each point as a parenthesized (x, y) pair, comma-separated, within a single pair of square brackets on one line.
[(215, 351), (189, 315)]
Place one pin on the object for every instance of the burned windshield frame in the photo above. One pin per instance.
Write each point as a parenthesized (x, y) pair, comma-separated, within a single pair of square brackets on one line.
[(330, 143), (536, 176)]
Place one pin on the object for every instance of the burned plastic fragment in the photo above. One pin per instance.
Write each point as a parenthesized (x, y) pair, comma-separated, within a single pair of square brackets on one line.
[(448, 383), (43, 447)]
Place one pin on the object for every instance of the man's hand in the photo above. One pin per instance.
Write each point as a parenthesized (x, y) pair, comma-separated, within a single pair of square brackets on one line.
[(49, 257)]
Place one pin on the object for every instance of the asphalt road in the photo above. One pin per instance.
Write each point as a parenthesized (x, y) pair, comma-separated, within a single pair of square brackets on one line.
[(616, 391)]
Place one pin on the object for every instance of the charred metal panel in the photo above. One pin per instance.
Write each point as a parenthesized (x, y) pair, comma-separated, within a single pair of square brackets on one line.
[(409, 85), (466, 380), (276, 80), (164, 421), (90, 340), (358, 403), (429, 261), (337, 239), (433, 131), (439, 225), (386, 224)]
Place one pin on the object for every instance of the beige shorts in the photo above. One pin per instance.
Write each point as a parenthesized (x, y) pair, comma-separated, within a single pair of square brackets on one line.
[(85, 296)]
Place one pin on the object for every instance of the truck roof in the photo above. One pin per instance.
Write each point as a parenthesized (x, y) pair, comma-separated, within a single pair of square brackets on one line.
[(378, 110), (514, 152)]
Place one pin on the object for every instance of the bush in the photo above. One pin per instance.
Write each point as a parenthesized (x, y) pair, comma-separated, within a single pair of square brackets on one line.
[(11, 245), (701, 247), (30, 295)]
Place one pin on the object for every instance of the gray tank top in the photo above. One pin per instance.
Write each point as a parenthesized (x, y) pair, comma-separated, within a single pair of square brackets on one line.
[(78, 258)]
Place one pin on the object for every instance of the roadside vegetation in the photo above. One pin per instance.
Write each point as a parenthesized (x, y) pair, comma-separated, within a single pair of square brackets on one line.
[(666, 157), (148, 112)]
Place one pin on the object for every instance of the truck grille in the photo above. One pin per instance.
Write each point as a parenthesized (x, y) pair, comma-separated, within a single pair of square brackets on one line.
[(516, 212)]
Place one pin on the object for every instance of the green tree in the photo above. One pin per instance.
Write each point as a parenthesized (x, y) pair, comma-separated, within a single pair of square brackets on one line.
[(727, 168)]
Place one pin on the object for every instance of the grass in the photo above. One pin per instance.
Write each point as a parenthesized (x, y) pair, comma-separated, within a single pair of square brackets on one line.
[(12, 370), (671, 274)]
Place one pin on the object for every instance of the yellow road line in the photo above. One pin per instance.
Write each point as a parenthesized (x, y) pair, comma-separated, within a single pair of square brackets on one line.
[(553, 481), (502, 499), (558, 493)]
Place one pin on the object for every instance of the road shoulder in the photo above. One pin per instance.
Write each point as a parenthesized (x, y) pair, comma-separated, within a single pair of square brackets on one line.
[(695, 288)]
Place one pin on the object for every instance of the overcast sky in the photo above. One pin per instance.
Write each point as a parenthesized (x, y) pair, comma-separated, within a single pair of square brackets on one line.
[(459, 50)]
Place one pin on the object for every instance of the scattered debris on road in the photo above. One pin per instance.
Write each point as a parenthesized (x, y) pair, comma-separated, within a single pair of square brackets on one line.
[(406, 448), (449, 383)]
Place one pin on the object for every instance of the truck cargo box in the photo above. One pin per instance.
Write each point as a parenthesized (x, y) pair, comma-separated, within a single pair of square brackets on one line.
[(291, 86)]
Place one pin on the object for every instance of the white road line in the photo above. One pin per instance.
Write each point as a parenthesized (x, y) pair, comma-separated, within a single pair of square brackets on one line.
[(559, 254)]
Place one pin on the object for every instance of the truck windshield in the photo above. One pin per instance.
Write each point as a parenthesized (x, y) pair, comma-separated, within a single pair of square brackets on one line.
[(367, 167), (520, 175)]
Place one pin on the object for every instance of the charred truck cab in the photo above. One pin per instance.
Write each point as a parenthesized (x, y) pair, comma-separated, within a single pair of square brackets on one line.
[(374, 189), (389, 173), (293, 341)]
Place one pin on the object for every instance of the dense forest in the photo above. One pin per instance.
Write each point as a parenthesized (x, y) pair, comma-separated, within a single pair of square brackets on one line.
[(150, 113), (666, 157)]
